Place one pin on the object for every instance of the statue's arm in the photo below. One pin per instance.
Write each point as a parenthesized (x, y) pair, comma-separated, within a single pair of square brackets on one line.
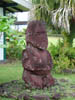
[(24, 57), (50, 61), (34, 55)]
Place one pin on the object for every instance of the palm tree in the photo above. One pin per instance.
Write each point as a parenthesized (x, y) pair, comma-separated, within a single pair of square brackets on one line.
[(58, 14)]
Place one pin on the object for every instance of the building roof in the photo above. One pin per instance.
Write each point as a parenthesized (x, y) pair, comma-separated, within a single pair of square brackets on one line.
[(15, 5)]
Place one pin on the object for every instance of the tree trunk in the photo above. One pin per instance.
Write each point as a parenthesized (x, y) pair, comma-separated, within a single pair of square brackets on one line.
[(68, 38)]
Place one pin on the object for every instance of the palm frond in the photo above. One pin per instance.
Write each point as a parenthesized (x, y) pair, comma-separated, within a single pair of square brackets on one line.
[(58, 17)]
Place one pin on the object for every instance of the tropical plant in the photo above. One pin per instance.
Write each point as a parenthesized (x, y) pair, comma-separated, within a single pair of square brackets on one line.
[(58, 14), (64, 59), (15, 42), (61, 17), (5, 23), (59, 11)]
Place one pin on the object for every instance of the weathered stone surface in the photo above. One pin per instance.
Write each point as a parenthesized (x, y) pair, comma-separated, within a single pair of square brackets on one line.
[(26, 96), (22, 95), (36, 35), (36, 97), (37, 61), (37, 81), (56, 96)]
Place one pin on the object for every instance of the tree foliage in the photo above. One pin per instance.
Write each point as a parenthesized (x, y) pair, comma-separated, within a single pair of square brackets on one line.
[(15, 40), (5, 23), (5, 26), (55, 12), (15, 43)]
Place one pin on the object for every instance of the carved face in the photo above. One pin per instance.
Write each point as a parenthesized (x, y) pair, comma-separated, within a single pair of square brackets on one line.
[(36, 35)]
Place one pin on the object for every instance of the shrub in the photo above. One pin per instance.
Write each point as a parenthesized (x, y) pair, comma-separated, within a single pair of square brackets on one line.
[(15, 42), (63, 57), (61, 64)]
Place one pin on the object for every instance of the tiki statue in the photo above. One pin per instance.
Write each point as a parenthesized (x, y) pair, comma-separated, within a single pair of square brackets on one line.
[(36, 60)]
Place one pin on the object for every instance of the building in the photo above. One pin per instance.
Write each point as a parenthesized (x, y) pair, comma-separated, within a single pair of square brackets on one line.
[(12, 6)]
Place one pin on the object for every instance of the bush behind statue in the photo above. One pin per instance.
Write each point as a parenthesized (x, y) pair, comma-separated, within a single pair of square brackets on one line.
[(63, 57)]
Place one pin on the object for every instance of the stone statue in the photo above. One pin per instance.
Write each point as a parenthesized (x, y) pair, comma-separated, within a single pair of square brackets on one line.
[(36, 60)]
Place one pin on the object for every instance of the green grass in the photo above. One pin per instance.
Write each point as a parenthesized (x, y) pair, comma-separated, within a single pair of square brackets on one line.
[(5, 98), (13, 71), (54, 40), (69, 98), (10, 71), (69, 77)]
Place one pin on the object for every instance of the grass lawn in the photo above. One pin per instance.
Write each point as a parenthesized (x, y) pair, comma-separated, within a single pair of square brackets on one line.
[(10, 71), (13, 71), (55, 40)]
